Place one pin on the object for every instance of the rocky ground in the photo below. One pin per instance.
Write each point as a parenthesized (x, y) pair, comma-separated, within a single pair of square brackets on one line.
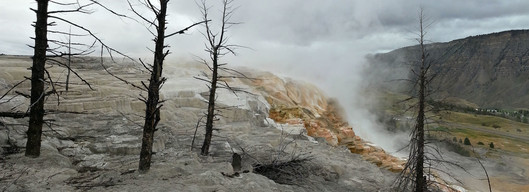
[(97, 147)]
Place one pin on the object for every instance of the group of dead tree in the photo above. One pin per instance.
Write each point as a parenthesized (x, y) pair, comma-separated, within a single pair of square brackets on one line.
[(42, 84)]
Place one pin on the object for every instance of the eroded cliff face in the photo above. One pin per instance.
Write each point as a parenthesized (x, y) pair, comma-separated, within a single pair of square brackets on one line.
[(302, 104), (490, 70)]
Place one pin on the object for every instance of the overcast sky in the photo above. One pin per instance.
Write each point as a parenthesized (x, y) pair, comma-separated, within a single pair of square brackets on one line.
[(323, 41), (287, 35)]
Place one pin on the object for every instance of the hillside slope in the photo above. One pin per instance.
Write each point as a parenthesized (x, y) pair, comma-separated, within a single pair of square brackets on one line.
[(96, 148), (490, 70)]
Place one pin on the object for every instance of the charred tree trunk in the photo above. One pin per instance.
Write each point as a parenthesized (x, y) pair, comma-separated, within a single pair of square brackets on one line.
[(152, 111), (36, 116), (211, 105), (216, 47), (420, 179)]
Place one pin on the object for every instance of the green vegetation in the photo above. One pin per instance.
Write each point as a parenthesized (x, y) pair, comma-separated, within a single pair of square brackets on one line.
[(483, 121), (467, 141), (514, 115), (487, 124), (454, 125), (441, 106), (440, 129)]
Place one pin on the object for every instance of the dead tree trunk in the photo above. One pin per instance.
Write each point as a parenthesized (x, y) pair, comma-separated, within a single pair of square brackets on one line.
[(40, 77), (423, 158), (152, 102), (211, 105), (217, 47), (152, 111), (419, 166), (413, 177), (36, 116), (420, 179)]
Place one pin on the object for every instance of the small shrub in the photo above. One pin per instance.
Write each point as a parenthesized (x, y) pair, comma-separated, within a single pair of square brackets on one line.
[(481, 143), (460, 141), (484, 124), (467, 141), (496, 126), (491, 145), (519, 130), (288, 171), (454, 140), (291, 168)]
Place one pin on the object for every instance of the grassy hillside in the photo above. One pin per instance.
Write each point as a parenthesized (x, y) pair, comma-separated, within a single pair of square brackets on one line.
[(449, 127), (508, 136)]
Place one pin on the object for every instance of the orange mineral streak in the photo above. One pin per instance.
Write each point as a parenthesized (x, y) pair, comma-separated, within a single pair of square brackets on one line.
[(300, 103)]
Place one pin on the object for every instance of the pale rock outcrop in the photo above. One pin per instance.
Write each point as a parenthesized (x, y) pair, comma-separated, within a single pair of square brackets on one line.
[(97, 149)]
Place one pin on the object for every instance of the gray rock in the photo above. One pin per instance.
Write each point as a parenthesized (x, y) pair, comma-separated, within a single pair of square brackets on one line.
[(101, 148)]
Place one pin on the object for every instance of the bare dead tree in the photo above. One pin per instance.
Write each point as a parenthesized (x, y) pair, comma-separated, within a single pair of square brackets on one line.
[(478, 158), (217, 46), (420, 179), (46, 51), (38, 72), (413, 176), (152, 110), (49, 51), (156, 80), (424, 159), (37, 80)]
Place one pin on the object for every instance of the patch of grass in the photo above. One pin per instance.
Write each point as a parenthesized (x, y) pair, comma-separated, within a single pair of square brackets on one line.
[(500, 143), (486, 121), (440, 129), (483, 120)]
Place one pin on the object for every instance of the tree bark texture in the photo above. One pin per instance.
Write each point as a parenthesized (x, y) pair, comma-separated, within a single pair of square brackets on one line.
[(36, 116), (211, 105), (152, 111), (420, 179)]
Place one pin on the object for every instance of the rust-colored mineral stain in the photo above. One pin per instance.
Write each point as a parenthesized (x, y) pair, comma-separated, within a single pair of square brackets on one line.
[(298, 103), (336, 132)]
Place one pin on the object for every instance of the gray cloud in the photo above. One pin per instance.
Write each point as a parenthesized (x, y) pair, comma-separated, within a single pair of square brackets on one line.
[(293, 23)]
